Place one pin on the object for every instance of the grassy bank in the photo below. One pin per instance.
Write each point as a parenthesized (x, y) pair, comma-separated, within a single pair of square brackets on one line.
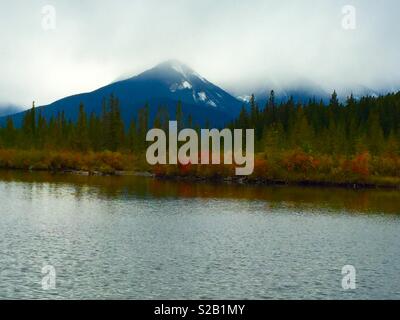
[(298, 167), (284, 167), (93, 162)]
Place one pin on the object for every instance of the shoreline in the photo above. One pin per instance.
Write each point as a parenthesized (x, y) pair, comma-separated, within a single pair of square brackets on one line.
[(266, 182), (220, 180), (294, 168)]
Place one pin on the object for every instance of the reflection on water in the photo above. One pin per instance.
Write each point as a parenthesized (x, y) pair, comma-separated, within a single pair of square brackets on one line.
[(363, 201), (140, 238)]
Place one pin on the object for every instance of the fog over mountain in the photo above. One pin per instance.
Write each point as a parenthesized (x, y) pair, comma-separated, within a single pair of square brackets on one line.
[(165, 85), (241, 46), (8, 109)]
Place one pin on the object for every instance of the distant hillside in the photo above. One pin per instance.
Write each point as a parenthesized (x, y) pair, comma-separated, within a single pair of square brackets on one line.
[(172, 81), (163, 85), (9, 109), (303, 90)]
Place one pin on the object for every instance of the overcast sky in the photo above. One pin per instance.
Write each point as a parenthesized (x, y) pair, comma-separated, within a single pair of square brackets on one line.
[(238, 45)]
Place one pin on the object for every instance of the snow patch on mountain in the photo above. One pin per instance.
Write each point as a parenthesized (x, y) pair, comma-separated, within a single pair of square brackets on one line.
[(183, 86), (178, 68), (186, 85), (212, 103), (244, 98), (202, 96), (199, 76)]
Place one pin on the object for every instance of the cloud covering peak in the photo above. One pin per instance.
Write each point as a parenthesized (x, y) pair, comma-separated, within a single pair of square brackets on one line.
[(239, 45)]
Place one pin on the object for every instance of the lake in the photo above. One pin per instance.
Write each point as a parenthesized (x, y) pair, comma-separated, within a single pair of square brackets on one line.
[(142, 238)]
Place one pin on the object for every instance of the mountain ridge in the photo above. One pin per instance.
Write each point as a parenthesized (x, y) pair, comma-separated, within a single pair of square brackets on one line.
[(172, 81), (166, 84)]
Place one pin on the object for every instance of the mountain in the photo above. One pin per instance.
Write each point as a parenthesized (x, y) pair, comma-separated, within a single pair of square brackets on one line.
[(361, 91), (172, 81), (8, 109), (302, 90), (164, 85)]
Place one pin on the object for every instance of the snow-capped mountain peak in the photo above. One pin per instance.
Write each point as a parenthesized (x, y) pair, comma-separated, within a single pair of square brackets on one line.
[(186, 85), (174, 69), (164, 85)]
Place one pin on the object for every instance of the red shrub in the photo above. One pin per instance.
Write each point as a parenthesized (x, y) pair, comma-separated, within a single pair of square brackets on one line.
[(360, 164), (299, 161)]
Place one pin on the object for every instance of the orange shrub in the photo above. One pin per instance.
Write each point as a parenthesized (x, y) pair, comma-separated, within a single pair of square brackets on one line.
[(360, 164), (299, 161), (260, 168)]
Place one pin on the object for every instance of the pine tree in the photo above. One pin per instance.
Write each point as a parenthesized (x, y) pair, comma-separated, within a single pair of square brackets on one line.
[(273, 138), (81, 140), (94, 128), (133, 145), (29, 127), (179, 116), (375, 134), (143, 122), (41, 131), (117, 126), (243, 120), (393, 145), (301, 135), (9, 134)]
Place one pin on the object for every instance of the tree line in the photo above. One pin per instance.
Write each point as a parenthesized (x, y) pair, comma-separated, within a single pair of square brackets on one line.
[(368, 124), (89, 132)]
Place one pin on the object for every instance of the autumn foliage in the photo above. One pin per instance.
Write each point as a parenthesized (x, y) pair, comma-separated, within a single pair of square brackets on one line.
[(105, 162), (356, 141)]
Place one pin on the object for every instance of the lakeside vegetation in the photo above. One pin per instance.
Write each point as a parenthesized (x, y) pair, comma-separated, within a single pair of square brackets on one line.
[(105, 162), (356, 142)]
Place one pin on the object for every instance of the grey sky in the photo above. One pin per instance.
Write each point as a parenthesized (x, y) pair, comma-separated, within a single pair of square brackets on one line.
[(239, 45)]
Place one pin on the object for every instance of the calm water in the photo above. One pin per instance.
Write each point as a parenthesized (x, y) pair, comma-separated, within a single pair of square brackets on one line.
[(138, 238)]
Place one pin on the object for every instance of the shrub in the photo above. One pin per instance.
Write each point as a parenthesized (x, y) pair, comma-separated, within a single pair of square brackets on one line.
[(360, 164)]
